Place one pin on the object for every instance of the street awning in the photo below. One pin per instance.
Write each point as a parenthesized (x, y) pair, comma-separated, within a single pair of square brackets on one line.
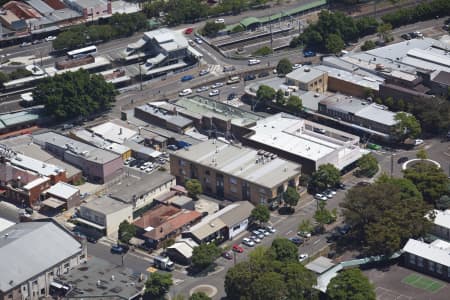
[(53, 202), (91, 224)]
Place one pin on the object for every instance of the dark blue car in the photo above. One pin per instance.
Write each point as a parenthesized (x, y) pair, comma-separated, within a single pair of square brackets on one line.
[(117, 249), (187, 78), (309, 53), (296, 240)]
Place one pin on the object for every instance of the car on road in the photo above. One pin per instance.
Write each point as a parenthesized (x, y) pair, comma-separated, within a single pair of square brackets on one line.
[(405, 36), (237, 248), (248, 242), (214, 93), (25, 44), (50, 38), (319, 196), (185, 92), (296, 240), (249, 77), (231, 96), (256, 239), (296, 66), (203, 72), (217, 85), (219, 21), (418, 142), (188, 30), (309, 53), (263, 74), (228, 255), (274, 205), (148, 170), (35, 42), (302, 257), (341, 186), (202, 89), (304, 234), (91, 239), (187, 78), (402, 160), (117, 249), (252, 62), (263, 231), (198, 41), (271, 229), (258, 234)]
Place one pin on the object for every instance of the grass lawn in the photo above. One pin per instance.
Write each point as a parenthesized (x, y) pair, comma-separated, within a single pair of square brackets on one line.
[(423, 283)]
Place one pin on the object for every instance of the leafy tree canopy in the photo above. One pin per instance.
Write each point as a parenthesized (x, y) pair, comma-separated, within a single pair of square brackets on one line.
[(157, 285), (295, 103), (284, 66), (126, 231), (368, 165), (199, 296), (194, 188), (351, 285), (407, 126), (284, 250), (204, 255), (261, 213), (326, 176), (265, 94), (334, 43), (291, 196), (211, 28)]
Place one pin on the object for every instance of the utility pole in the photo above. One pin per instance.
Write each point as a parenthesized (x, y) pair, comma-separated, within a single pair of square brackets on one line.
[(140, 75), (392, 164)]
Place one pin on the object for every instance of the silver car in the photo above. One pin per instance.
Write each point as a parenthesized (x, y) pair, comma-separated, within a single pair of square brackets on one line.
[(248, 242)]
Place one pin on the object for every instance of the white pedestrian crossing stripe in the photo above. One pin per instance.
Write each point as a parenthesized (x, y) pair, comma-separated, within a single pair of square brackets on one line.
[(215, 69)]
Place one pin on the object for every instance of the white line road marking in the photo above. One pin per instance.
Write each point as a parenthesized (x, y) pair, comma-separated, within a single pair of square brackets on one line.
[(316, 242), (287, 233)]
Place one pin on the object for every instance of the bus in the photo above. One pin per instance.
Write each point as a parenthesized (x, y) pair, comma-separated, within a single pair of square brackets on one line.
[(78, 53)]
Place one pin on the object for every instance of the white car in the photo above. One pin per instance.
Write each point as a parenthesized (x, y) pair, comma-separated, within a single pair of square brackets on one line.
[(302, 257), (148, 170), (321, 197), (217, 85), (185, 92), (202, 89), (248, 242), (296, 66), (252, 62), (263, 231), (198, 41), (50, 38), (256, 239), (418, 142), (219, 21), (271, 229), (214, 93)]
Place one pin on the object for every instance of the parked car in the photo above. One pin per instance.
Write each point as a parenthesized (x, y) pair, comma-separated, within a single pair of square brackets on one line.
[(263, 74), (402, 160), (302, 257), (202, 89), (217, 85), (274, 205), (249, 77), (252, 62), (258, 234), (189, 30), (296, 240), (256, 239), (248, 242), (227, 255), (172, 147), (117, 249), (296, 66), (35, 42), (319, 196), (304, 234), (25, 44), (341, 186), (271, 229), (363, 183), (329, 194), (343, 230), (185, 92), (187, 78), (50, 38), (231, 96), (309, 53), (418, 142), (91, 239), (237, 248), (198, 41), (219, 21), (263, 231), (214, 93), (203, 72), (405, 36)]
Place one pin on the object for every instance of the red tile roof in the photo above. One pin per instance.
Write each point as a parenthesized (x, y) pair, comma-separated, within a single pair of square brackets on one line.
[(22, 10)]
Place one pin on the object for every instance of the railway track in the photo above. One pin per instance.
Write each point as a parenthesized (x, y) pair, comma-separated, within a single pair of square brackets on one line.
[(253, 41)]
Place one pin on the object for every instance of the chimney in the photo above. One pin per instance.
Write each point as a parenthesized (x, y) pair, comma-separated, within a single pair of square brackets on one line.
[(120, 130)]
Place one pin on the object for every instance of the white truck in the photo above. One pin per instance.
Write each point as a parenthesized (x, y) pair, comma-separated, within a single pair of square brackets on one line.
[(163, 263)]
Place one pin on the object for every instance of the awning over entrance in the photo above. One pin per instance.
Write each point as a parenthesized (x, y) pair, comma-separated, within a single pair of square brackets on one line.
[(53, 202), (91, 224)]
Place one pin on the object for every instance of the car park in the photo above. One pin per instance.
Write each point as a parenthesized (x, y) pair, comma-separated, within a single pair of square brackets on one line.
[(185, 92), (302, 257), (258, 234), (214, 93), (217, 85), (402, 160), (203, 72), (249, 77), (227, 255), (117, 249), (187, 78), (271, 229), (256, 239), (263, 74), (248, 242), (296, 240), (237, 248), (202, 89)]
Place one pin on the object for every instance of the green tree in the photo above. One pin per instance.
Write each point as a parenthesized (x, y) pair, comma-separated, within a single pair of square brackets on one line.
[(268, 286), (384, 30), (322, 215), (126, 231), (383, 217), (422, 154), (261, 214), (406, 186), (19, 73), (265, 94), (443, 202), (368, 165), (204, 255), (294, 103), (368, 45), (350, 284), (326, 176), (283, 249), (263, 51), (194, 188), (199, 296), (157, 285), (74, 94), (167, 243), (430, 180), (291, 197), (3, 78), (334, 43), (305, 226), (211, 29), (284, 66), (280, 97), (407, 126)]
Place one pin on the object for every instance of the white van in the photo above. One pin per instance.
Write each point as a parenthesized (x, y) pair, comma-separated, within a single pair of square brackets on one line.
[(253, 62), (185, 92), (234, 79)]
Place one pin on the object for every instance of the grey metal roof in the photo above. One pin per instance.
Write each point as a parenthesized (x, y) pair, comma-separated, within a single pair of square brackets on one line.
[(237, 212), (40, 6), (304, 74), (105, 205), (163, 114), (27, 249)]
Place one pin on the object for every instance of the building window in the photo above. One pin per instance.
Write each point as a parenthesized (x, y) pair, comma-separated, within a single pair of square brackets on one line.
[(233, 180), (236, 227), (207, 172), (412, 259), (438, 268), (419, 261), (10, 296), (35, 282), (431, 266), (82, 256), (182, 162), (233, 189), (42, 291), (66, 265)]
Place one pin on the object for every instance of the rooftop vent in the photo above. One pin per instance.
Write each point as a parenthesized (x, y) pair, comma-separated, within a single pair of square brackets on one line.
[(307, 69)]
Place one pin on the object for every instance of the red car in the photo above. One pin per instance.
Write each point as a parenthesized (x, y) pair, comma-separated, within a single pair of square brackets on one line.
[(238, 249), (189, 30)]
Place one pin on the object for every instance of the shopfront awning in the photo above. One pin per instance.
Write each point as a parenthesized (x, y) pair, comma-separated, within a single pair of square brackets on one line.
[(53, 202), (89, 223)]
